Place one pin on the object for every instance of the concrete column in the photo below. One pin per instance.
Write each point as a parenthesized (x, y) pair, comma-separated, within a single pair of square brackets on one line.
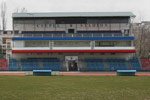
[(132, 43), (92, 44)]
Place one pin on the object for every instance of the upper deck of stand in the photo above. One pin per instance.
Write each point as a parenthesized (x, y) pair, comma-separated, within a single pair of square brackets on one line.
[(83, 28)]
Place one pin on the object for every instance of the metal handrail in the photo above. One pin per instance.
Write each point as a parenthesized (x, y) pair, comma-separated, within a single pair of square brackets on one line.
[(75, 35)]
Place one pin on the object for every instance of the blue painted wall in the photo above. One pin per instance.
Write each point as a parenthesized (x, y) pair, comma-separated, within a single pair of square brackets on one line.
[(73, 38)]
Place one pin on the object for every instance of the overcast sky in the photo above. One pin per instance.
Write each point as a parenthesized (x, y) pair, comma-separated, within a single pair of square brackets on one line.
[(141, 8)]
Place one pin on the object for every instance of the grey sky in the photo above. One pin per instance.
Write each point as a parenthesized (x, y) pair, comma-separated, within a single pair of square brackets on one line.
[(140, 8)]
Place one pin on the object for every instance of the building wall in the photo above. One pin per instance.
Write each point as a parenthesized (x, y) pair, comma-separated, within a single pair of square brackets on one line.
[(63, 24), (65, 27), (59, 24), (6, 46), (72, 45), (81, 56)]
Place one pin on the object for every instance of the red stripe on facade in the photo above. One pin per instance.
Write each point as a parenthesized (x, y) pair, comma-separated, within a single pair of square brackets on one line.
[(73, 51)]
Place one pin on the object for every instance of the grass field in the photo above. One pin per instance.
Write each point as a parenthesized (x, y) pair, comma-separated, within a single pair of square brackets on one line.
[(74, 88)]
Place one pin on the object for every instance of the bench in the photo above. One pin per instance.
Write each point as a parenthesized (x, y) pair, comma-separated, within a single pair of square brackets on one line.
[(126, 72), (42, 72)]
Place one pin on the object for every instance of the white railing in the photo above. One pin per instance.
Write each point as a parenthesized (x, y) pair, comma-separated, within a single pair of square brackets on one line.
[(74, 48), (74, 35), (114, 48)]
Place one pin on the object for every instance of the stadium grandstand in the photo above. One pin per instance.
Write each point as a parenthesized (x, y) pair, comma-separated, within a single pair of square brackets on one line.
[(73, 41)]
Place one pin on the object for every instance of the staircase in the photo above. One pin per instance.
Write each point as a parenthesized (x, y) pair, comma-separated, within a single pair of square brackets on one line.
[(128, 64), (106, 65)]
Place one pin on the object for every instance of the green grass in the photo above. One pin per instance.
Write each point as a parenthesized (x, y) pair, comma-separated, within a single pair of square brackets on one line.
[(74, 88)]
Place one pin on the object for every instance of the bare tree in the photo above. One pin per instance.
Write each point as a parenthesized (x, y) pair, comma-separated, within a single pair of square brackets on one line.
[(3, 15), (142, 39)]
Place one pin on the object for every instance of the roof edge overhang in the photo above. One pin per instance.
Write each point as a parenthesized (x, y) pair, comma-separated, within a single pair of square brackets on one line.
[(73, 14)]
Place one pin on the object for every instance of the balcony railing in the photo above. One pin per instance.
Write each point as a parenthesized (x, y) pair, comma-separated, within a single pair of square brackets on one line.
[(75, 35)]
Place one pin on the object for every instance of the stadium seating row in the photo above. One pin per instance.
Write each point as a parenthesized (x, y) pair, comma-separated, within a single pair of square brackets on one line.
[(49, 32), (42, 32), (117, 64), (99, 32), (3, 64), (34, 64), (52, 64), (13, 66), (135, 64), (29, 64), (79, 34), (94, 64), (91, 64), (113, 64)]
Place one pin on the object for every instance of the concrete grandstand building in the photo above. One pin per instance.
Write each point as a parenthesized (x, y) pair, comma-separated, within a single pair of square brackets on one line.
[(73, 41)]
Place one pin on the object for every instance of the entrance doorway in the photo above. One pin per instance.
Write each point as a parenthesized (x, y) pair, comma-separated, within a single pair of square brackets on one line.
[(71, 31), (73, 66), (72, 63)]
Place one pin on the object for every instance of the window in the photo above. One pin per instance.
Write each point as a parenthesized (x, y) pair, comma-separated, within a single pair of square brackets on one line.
[(102, 53), (71, 43), (112, 43), (104, 43), (60, 53), (113, 53), (36, 43)]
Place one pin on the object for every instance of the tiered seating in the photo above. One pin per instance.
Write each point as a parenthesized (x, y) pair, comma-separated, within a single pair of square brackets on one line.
[(94, 64), (98, 31), (117, 64), (42, 32), (29, 64), (145, 63), (135, 64), (13, 66), (107, 35), (117, 34), (51, 64), (3, 64)]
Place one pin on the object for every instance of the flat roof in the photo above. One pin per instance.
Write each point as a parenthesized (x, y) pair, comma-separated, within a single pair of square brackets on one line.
[(73, 14)]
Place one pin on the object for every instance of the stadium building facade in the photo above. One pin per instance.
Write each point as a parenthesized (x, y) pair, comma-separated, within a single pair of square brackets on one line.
[(73, 41)]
